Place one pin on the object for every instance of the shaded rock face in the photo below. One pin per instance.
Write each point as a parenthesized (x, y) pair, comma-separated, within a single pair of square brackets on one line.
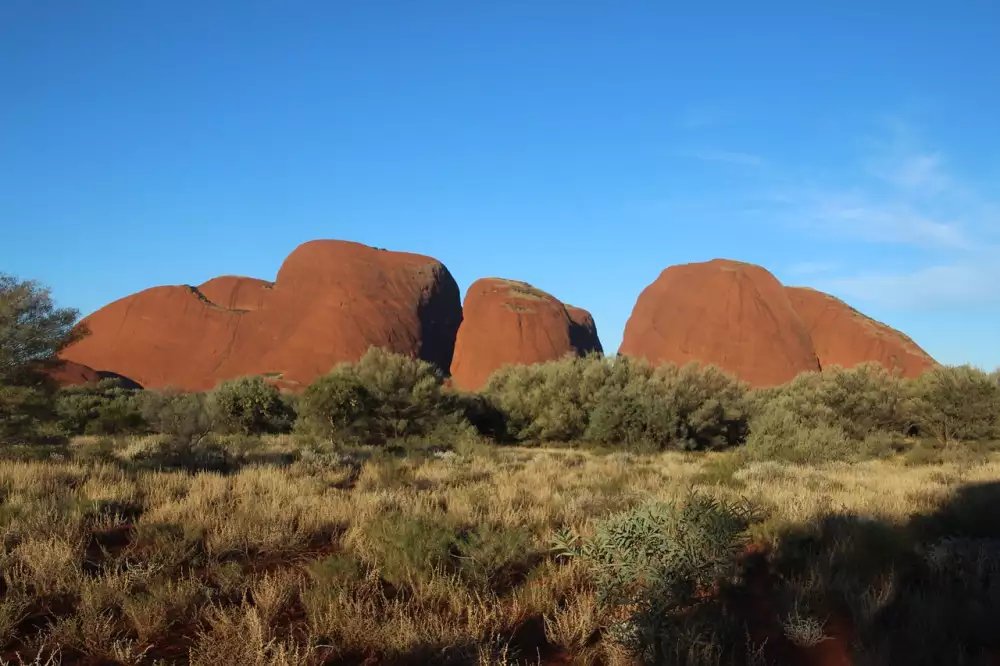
[(507, 322), (331, 301), (68, 373), (843, 336), (73, 374), (734, 315), (583, 331)]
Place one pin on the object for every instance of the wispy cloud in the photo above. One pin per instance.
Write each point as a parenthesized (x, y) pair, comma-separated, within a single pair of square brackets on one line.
[(812, 267), (878, 220), (728, 157), (905, 195), (970, 283)]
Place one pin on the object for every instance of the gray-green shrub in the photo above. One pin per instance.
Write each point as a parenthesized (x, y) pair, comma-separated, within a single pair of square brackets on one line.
[(655, 561), (105, 409), (957, 403), (249, 406), (620, 402), (381, 397)]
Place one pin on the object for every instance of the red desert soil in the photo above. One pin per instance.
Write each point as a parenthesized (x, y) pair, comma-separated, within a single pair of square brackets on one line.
[(331, 301), (732, 314), (510, 322), (845, 337)]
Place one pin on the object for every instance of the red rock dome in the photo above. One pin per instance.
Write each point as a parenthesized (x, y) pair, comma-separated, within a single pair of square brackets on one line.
[(734, 315), (509, 322), (331, 301), (843, 336)]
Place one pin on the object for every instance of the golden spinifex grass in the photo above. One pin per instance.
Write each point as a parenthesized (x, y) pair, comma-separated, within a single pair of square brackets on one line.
[(336, 557)]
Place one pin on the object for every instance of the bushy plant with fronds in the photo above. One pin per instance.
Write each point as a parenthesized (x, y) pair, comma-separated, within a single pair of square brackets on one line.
[(249, 406), (658, 560)]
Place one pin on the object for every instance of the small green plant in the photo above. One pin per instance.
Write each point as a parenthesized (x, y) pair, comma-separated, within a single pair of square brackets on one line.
[(250, 406), (656, 560), (383, 396)]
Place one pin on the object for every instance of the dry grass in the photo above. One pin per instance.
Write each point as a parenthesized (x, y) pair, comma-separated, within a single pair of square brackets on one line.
[(422, 559)]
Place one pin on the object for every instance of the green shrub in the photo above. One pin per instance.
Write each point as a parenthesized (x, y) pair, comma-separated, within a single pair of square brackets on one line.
[(692, 407), (624, 401), (27, 414), (858, 401), (105, 409), (657, 560), (181, 416), (381, 397), (249, 406), (777, 432), (337, 403), (958, 403), (552, 401)]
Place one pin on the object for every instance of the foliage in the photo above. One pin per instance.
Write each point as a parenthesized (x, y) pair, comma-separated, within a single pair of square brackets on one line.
[(958, 403), (183, 417), (620, 402), (249, 406), (657, 559), (26, 414), (105, 409), (857, 401), (383, 396), (32, 329)]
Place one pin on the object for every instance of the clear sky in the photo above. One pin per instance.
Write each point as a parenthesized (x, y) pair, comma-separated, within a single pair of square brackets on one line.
[(583, 146)]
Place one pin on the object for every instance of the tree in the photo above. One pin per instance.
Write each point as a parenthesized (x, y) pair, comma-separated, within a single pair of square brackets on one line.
[(32, 330)]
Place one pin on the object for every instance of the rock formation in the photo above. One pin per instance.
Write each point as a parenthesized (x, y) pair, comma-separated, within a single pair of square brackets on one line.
[(508, 322), (843, 336), (236, 293), (583, 331), (330, 302), (734, 315), (73, 374)]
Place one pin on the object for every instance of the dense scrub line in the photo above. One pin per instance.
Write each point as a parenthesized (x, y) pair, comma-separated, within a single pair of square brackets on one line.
[(618, 403)]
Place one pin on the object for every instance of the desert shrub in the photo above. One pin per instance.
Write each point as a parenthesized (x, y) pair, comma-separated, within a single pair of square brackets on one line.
[(552, 401), (689, 408), (858, 401), (656, 560), (621, 402), (383, 396), (26, 414), (337, 403), (249, 406), (105, 409), (957, 403), (184, 417), (779, 433)]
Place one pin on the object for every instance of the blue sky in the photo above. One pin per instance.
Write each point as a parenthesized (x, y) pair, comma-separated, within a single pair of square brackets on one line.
[(581, 146)]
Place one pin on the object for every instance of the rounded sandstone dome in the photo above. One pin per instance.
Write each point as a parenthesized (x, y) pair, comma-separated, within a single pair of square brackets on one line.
[(506, 322), (731, 314)]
